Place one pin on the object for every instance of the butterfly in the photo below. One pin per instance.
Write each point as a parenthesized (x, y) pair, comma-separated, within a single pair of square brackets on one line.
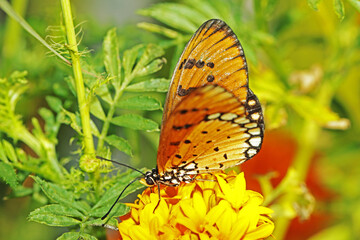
[(211, 120)]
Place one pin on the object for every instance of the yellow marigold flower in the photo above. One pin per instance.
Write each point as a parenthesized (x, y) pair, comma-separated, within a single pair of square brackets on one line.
[(216, 206)]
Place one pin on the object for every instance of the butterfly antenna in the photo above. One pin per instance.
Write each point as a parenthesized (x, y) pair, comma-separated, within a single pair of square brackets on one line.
[(108, 212), (121, 164)]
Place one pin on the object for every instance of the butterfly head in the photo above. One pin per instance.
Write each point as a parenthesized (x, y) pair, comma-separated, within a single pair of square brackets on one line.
[(151, 177)]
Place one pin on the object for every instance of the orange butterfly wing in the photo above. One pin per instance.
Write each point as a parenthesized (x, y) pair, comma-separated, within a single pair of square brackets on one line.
[(211, 120), (213, 55)]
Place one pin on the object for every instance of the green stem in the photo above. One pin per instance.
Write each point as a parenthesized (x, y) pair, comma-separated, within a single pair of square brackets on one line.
[(87, 162), (32, 142), (84, 105), (109, 116), (111, 111), (306, 147), (36, 170), (51, 156)]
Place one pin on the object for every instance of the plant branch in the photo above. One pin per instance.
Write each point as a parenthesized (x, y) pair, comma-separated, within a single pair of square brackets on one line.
[(84, 105), (109, 116)]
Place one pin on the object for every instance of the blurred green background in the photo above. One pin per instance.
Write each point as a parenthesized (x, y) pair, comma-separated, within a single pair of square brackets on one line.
[(304, 61)]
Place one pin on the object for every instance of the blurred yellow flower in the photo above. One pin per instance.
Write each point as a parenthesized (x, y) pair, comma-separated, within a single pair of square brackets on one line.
[(216, 206)]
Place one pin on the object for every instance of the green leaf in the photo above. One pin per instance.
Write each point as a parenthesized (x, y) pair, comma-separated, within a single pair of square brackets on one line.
[(69, 236), (276, 116), (311, 109), (136, 122), (103, 92), (112, 193), (151, 52), (94, 128), (76, 236), (3, 156), (48, 117), (59, 195), (21, 154), (9, 151), (52, 126), (140, 103), (175, 15), (148, 62), (130, 57), (7, 173), (120, 143), (153, 67), (111, 57), (37, 130), (73, 120), (153, 85), (57, 209), (96, 109), (119, 210), (159, 29), (356, 4), (60, 90), (313, 4), (339, 9), (54, 103), (208, 9), (20, 191), (53, 219)]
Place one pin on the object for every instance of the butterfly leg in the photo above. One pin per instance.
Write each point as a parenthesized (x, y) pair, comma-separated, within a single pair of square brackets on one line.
[(187, 178), (158, 203)]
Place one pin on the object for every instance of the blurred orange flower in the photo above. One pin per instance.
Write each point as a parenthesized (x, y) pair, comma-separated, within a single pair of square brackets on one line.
[(271, 159), (214, 206)]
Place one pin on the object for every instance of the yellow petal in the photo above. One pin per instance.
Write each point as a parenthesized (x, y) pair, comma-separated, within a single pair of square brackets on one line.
[(204, 236), (199, 205), (263, 231), (140, 233), (216, 212), (226, 221)]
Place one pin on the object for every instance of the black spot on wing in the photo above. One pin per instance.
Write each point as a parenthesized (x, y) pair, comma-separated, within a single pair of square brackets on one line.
[(175, 143), (210, 64), (182, 64), (200, 64), (210, 78), (189, 63), (183, 92)]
